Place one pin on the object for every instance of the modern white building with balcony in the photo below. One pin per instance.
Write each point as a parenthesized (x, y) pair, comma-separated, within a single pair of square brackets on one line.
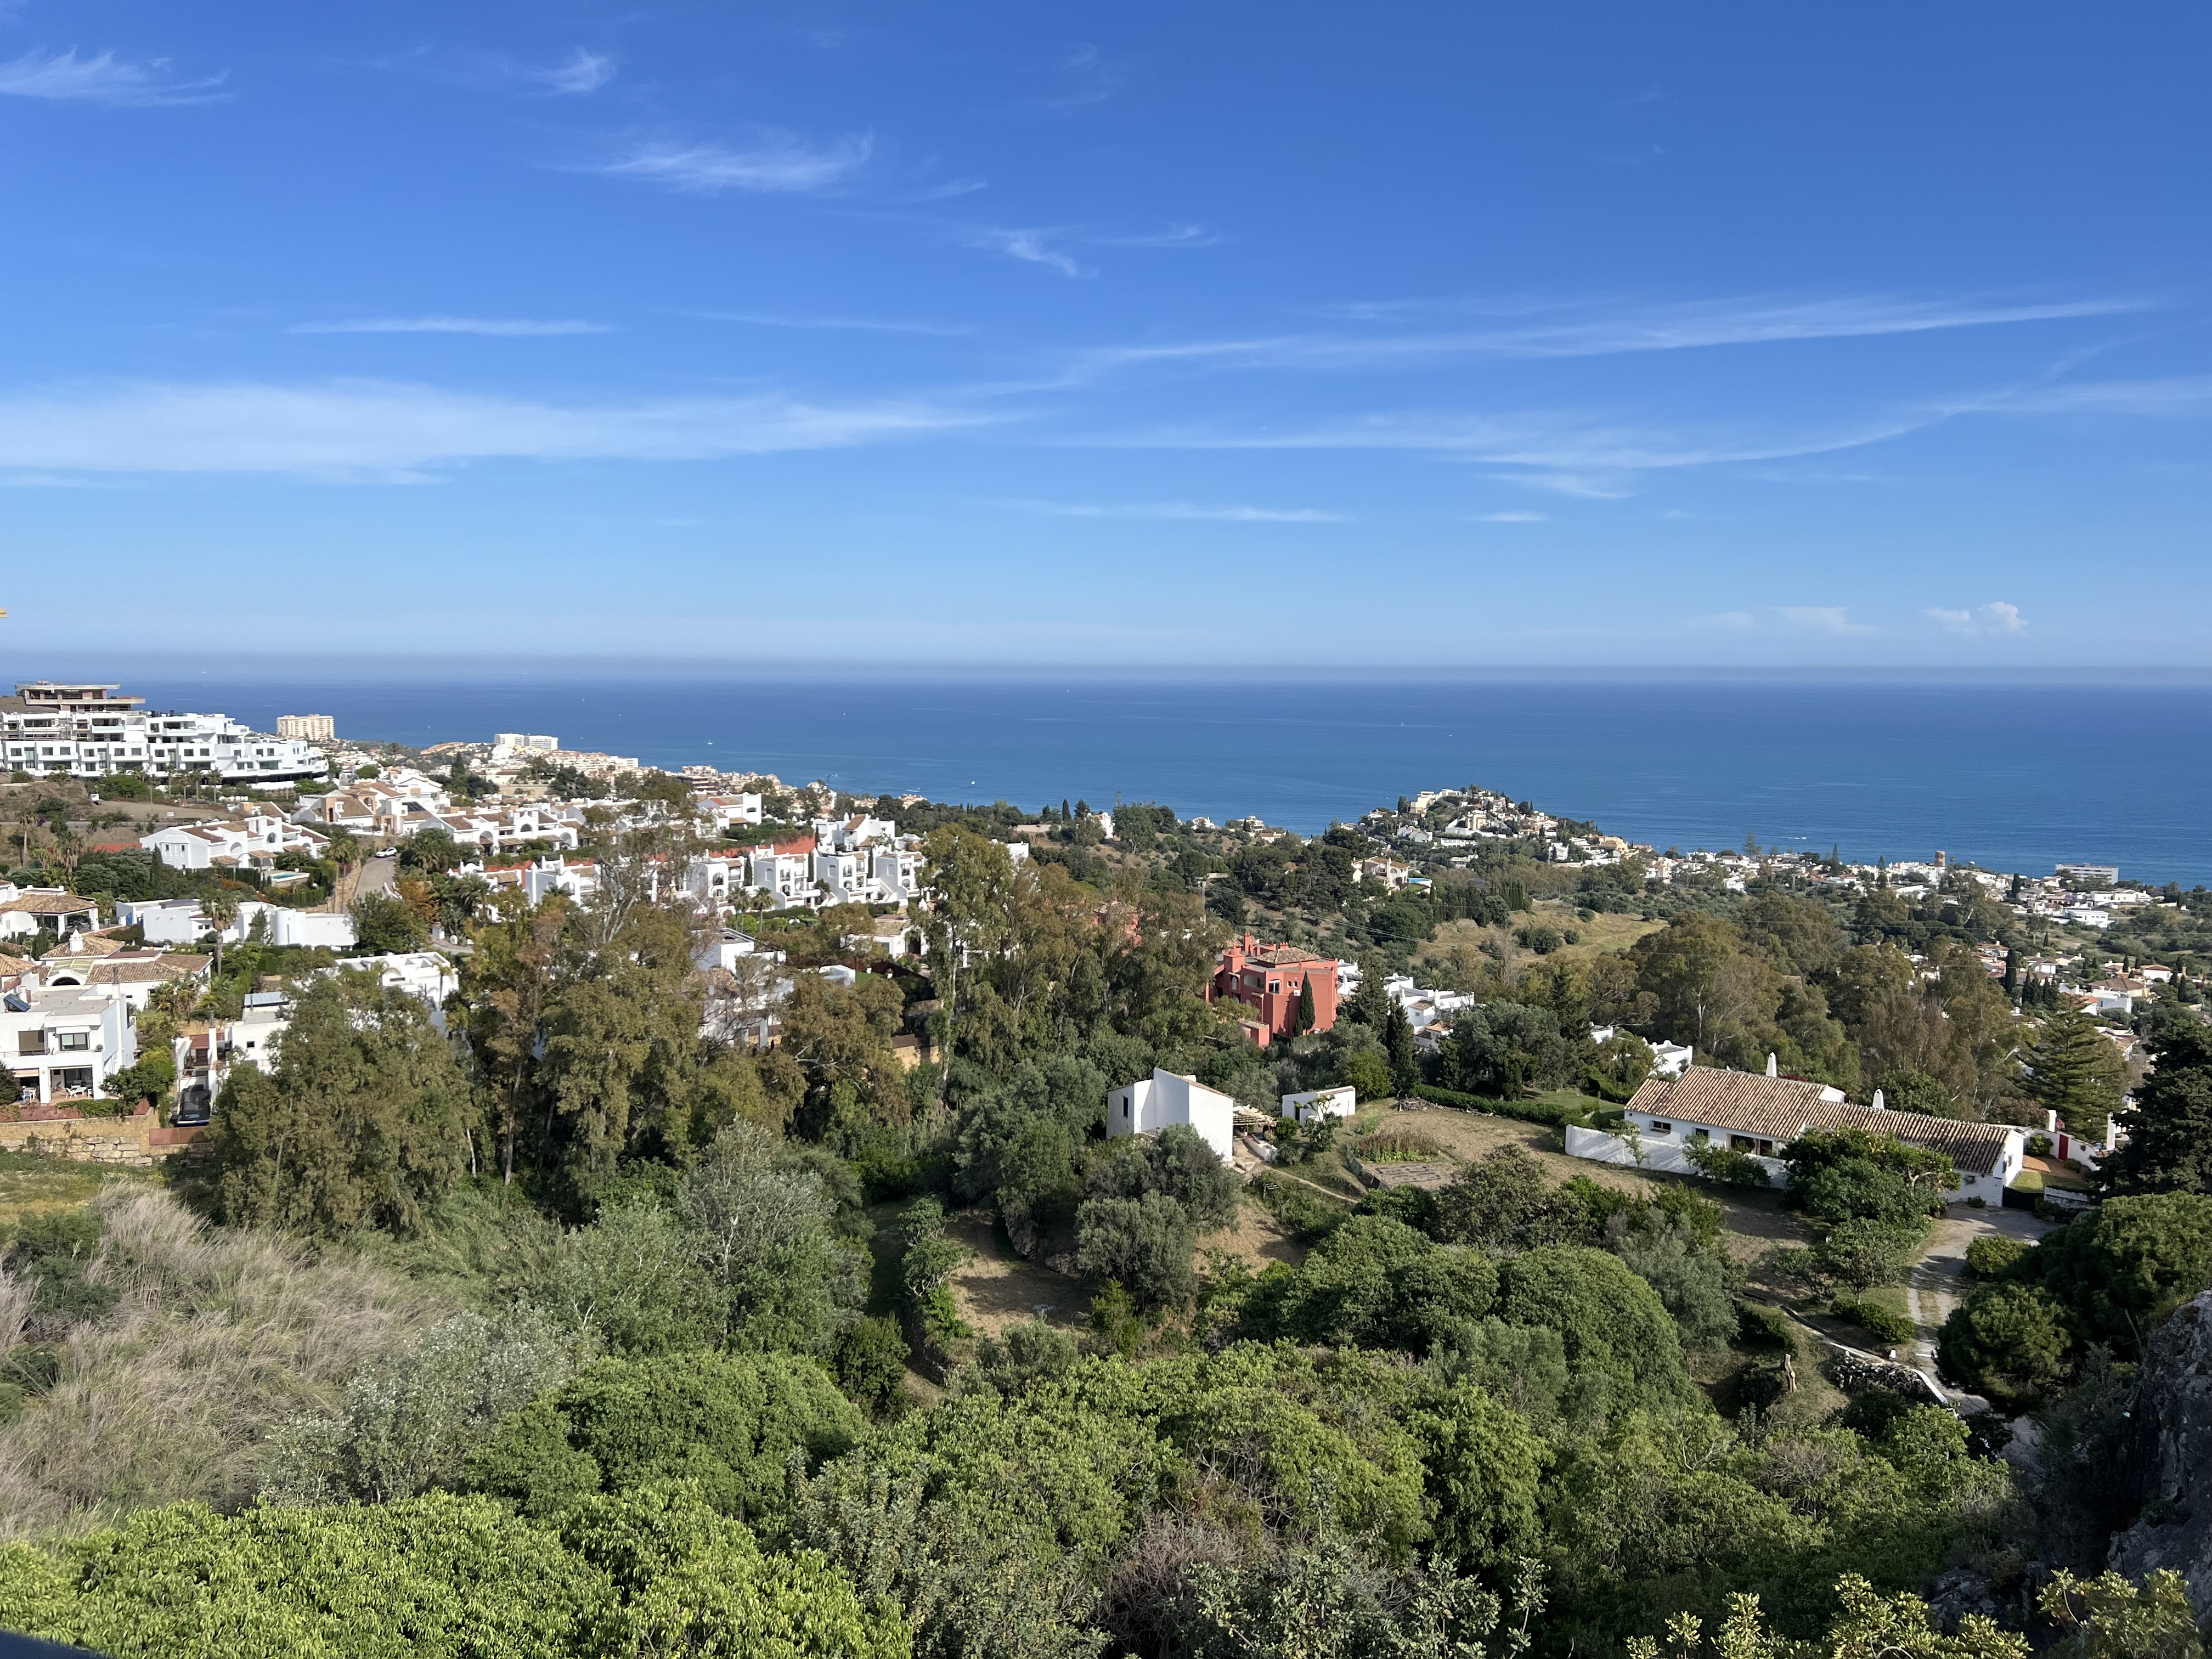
[(63, 1044)]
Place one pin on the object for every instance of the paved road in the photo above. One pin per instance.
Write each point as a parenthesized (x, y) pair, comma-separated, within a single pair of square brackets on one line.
[(375, 876)]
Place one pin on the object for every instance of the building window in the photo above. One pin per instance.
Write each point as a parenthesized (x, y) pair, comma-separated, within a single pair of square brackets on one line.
[(75, 1040), (1659, 1129)]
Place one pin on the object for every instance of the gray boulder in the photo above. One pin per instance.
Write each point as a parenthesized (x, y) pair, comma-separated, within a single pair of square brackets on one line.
[(2172, 1440)]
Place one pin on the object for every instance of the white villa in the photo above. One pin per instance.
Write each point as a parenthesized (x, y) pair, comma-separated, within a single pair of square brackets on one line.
[(1759, 1116), (1146, 1107)]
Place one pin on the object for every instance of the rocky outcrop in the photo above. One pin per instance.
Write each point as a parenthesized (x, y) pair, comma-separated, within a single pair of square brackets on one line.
[(1855, 1373), (2171, 1435)]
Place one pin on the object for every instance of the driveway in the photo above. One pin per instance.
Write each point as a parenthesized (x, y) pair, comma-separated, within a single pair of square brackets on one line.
[(1939, 1281)]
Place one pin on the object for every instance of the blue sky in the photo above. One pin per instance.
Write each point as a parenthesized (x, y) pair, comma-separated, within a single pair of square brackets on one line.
[(1130, 335)]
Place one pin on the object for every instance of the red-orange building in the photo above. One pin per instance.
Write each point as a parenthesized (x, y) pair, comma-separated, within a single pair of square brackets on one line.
[(1268, 978)]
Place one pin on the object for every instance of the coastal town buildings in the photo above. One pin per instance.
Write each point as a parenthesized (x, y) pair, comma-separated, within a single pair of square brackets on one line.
[(90, 730)]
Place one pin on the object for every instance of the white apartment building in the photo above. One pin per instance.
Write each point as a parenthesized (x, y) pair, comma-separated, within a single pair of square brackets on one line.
[(850, 835), (308, 728), (786, 878), (87, 730), (60, 1044)]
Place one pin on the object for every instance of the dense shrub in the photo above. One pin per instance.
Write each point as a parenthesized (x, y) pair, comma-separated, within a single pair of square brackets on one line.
[(1610, 1321), (727, 1423)]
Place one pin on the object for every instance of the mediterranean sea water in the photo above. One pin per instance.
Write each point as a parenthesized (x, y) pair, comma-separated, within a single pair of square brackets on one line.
[(2014, 774)]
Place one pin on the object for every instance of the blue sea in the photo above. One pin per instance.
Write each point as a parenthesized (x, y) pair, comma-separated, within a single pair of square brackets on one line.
[(2013, 775)]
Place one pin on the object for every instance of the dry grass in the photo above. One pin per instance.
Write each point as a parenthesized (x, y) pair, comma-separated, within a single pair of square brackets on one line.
[(1605, 932), (1400, 1139), (217, 1336), (997, 1288), (34, 1187)]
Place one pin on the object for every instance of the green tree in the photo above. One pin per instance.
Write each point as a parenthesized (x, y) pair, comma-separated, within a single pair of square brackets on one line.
[(762, 1236), (1484, 1465), (1398, 1045), (1610, 1321), (2009, 1341), (1367, 1072), (2169, 1145), (366, 1119), (431, 1574), (1304, 1021), (2075, 1072), (727, 1423), (622, 1047), (1144, 1242), (386, 922)]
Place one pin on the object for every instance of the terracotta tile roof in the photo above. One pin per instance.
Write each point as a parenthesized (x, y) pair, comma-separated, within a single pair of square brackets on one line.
[(1287, 956), (1782, 1108), (50, 905)]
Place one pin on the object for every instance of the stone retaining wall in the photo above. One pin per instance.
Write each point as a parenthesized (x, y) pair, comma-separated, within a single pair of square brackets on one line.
[(138, 1139)]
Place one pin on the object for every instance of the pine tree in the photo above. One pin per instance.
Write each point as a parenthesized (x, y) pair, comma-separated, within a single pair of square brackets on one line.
[(2075, 1071), (2169, 1148)]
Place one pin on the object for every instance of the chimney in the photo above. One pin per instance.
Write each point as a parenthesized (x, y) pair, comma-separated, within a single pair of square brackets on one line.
[(1878, 1106), (1772, 1070)]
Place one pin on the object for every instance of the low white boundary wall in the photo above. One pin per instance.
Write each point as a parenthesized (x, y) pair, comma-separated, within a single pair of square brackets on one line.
[(1665, 1156)]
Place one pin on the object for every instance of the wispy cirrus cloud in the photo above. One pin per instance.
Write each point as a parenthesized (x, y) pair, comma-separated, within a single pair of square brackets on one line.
[(1185, 510), (864, 325), (1561, 451), (775, 161), (1035, 246), (1822, 619), (1540, 329), (584, 72), (494, 327), (2178, 395), (1053, 246), (1831, 619), (372, 428), (1996, 617), (1087, 76), (103, 78)]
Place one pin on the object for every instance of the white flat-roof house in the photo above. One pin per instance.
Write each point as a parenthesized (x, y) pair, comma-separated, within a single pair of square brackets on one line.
[(1317, 1104), (1759, 1116), (60, 1044), (1150, 1104)]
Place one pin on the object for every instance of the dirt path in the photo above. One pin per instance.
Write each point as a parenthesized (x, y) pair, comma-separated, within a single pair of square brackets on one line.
[(1939, 1282)]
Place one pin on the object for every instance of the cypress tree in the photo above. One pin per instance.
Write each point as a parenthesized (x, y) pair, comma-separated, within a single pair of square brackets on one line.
[(1304, 1020), (1398, 1044)]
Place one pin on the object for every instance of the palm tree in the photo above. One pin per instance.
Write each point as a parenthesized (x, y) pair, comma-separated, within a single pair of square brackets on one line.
[(220, 906)]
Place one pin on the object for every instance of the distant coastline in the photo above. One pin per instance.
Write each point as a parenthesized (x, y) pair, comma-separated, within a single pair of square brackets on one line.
[(2013, 774)]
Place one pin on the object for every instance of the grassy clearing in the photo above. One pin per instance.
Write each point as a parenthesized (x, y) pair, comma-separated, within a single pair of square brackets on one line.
[(998, 1288), (41, 1185), (1603, 934)]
